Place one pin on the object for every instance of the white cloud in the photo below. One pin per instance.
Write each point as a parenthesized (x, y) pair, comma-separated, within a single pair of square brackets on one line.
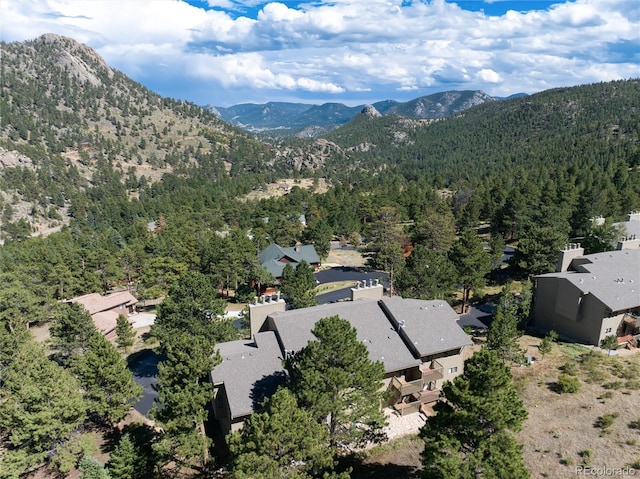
[(487, 75), (341, 48)]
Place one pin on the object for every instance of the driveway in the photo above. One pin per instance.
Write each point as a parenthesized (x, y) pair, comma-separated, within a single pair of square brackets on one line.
[(346, 274)]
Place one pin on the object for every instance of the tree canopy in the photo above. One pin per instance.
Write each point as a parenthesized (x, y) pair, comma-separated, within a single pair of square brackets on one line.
[(298, 285), (336, 381), (282, 441), (471, 434)]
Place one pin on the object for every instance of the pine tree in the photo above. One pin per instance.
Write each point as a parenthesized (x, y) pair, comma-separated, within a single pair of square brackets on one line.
[(91, 468), (71, 330), (427, 274), (472, 263), (125, 335), (123, 460), (471, 434), (184, 393), (298, 285), (106, 380), (40, 406), (503, 332), (546, 345), (282, 441), (336, 381)]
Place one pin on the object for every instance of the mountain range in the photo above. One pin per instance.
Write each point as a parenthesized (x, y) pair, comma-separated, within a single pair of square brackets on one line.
[(79, 129), (304, 120)]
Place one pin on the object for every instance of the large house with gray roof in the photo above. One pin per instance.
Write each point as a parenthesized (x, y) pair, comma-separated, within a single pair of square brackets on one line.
[(419, 343), (591, 296), (274, 258)]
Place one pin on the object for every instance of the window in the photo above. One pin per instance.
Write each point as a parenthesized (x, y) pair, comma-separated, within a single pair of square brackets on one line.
[(608, 330), (453, 370)]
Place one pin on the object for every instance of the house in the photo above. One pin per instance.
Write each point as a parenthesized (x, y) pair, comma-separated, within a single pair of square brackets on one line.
[(104, 310), (274, 258), (419, 343), (591, 296), (250, 371)]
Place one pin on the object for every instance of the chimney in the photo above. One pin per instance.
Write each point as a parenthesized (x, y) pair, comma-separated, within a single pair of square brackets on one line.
[(567, 255), (259, 312), (628, 242)]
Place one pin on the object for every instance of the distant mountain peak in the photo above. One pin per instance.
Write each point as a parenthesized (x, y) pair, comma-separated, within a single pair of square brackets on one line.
[(370, 110)]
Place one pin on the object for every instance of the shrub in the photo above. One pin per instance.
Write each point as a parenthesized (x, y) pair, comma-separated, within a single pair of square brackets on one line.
[(633, 384), (568, 384), (587, 456), (613, 385), (605, 422), (569, 368), (606, 395), (635, 424)]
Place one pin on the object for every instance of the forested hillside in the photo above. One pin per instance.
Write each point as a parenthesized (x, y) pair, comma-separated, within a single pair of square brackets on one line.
[(70, 122), (575, 149)]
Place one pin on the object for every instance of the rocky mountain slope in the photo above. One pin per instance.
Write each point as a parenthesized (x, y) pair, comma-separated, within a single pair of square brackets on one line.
[(303, 120), (70, 122)]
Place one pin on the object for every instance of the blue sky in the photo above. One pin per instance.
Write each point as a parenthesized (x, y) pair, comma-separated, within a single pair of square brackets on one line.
[(224, 52)]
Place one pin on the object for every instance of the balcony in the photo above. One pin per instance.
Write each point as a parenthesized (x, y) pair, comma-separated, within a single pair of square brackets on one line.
[(431, 371), (407, 388), (414, 402)]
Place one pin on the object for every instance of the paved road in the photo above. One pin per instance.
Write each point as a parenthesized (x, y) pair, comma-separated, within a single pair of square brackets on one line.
[(345, 274), (144, 366)]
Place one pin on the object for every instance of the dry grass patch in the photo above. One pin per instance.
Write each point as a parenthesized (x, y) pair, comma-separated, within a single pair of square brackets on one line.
[(591, 425)]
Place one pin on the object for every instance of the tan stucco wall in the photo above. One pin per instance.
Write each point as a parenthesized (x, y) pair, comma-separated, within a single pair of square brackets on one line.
[(559, 306), (448, 362), (369, 292)]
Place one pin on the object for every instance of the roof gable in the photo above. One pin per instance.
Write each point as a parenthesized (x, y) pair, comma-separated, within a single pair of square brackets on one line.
[(271, 257), (250, 371), (428, 327), (365, 315)]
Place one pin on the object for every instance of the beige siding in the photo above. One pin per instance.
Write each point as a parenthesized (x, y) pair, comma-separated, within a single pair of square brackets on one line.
[(450, 362)]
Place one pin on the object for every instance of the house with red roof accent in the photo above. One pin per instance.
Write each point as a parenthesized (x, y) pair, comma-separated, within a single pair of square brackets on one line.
[(104, 310)]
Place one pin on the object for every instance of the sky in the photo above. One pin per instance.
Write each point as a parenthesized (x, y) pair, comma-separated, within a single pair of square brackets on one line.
[(225, 52)]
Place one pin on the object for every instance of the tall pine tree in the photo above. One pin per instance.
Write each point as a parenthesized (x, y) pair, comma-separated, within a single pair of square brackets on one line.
[(471, 435), (334, 378)]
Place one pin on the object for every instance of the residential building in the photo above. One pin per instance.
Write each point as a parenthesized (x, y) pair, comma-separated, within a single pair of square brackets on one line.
[(591, 296), (251, 370), (419, 343), (274, 258), (104, 310)]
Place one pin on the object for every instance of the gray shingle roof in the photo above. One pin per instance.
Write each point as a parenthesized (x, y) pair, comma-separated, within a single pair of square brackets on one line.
[(250, 370), (271, 255), (429, 327), (613, 277), (631, 227), (373, 329)]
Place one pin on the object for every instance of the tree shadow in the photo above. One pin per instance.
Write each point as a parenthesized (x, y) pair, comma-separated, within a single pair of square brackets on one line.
[(144, 364), (265, 387), (362, 470)]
